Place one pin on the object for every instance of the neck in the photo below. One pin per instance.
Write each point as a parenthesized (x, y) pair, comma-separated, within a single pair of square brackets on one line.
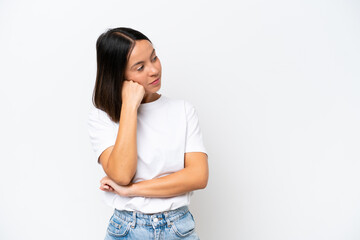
[(150, 97)]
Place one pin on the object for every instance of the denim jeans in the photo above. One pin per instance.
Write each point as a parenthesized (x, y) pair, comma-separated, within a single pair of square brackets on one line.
[(174, 224)]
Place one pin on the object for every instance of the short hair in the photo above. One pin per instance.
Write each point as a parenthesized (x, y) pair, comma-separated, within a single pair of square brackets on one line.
[(113, 49)]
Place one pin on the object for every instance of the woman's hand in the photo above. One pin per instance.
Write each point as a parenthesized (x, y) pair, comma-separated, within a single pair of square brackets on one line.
[(132, 93), (108, 185)]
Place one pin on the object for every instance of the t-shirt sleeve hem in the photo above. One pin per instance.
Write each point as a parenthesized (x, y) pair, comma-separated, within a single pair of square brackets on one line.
[(196, 149), (101, 149)]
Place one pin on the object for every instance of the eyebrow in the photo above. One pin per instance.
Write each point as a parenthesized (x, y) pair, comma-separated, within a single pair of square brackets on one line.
[(143, 61)]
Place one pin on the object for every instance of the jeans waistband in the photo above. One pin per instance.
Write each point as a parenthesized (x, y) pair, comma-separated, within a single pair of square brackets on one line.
[(166, 217)]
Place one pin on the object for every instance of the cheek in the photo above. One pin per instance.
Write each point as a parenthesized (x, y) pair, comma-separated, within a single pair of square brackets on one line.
[(136, 77), (140, 79)]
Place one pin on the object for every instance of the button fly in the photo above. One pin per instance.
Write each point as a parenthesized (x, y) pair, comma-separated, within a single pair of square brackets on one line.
[(155, 220)]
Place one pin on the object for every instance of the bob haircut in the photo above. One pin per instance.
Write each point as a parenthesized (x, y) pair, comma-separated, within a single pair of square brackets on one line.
[(113, 49)]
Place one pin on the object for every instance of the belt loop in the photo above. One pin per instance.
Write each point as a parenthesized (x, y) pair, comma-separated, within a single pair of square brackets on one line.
[(134, 220), (167, 219)]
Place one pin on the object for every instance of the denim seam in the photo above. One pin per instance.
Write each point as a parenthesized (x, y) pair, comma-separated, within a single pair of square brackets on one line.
[(177, 217), (122, 234), (177, 232), (116, 225)]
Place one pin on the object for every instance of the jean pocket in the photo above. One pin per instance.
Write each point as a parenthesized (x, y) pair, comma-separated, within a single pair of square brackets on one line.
[(184, 226), (118, 227)]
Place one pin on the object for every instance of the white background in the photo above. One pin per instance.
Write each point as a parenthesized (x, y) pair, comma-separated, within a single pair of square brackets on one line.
[(275, 84)]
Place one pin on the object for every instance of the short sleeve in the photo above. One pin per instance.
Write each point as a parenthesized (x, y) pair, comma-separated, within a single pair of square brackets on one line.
[(194, 140), (102, 131)]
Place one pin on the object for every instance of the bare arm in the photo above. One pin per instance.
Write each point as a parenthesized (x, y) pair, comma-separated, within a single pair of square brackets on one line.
[(120, 161), (194, 176)]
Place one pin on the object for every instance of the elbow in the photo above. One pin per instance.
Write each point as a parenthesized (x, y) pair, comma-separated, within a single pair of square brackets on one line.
[(123, 181), (205, 179), (203, 182), (119, 175), (201, 186), (120, 178)]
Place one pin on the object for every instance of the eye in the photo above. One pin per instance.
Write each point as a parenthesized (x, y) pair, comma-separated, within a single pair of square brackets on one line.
[(154, 58), (140, 68)]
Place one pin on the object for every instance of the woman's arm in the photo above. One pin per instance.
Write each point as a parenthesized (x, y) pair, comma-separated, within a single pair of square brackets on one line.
[(120, 161), (194, 176)]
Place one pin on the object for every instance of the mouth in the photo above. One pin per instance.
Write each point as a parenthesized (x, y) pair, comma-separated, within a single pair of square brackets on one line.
[(156, 81)]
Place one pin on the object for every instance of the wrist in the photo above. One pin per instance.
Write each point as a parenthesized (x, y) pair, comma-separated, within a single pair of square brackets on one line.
[(125, 106), (132, 190)]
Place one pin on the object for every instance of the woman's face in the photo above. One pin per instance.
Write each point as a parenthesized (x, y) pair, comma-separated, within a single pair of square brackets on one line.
[(144, 67)]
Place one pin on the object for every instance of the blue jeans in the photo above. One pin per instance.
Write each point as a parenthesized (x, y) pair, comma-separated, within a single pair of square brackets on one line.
[(175, 224)]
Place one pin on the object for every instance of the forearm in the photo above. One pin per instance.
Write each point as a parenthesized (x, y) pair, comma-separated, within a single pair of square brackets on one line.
[(194, 176), (122, 162), (178, 183)]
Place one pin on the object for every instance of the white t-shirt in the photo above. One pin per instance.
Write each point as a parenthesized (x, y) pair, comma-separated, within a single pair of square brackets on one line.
[(166, 129)]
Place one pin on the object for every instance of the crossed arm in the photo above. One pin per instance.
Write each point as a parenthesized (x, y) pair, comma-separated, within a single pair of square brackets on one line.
[(120, 162), (193, 176)]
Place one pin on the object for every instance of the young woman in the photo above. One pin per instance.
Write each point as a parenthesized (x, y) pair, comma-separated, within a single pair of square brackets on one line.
[(149, 145)]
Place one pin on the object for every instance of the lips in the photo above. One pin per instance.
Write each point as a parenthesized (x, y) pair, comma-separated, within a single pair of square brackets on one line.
[(155, 81)]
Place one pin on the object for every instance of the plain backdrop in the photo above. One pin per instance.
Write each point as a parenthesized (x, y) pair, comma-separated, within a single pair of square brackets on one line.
[(275, 84)]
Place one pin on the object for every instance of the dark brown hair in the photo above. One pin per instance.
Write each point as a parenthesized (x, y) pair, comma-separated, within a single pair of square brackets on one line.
[(113, 48)]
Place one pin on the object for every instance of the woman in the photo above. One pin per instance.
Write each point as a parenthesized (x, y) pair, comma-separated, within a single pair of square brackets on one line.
[(150, 146)]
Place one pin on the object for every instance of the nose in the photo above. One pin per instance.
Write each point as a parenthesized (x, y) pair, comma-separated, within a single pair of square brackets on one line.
[(154, 70)]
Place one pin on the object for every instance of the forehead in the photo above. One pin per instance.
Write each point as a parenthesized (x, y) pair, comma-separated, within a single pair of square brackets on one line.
[(141, 51)]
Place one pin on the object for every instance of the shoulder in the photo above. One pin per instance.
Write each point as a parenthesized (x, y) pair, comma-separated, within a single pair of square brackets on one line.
[(178, 104), (183, 102), (96, 115), (189, 108)]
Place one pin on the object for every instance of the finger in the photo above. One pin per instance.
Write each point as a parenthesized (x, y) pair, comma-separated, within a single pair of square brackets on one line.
[(104, 181), (104, 188)]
